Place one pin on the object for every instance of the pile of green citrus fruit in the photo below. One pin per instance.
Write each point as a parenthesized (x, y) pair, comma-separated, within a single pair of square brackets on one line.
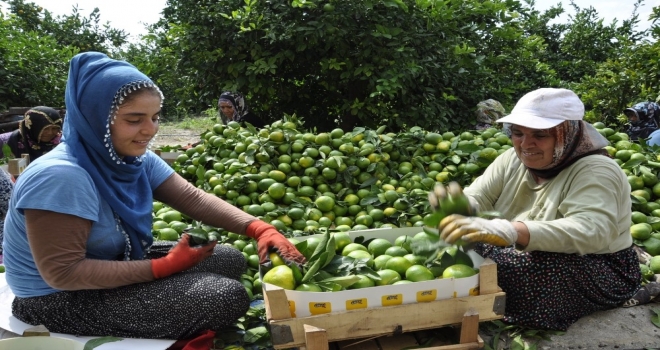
[(302, 182)]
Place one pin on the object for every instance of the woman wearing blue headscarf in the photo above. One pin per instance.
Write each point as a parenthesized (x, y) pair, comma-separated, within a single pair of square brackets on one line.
[(88, 265)]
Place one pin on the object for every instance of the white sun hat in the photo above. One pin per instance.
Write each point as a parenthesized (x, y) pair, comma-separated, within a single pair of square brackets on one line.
[(545, 108)]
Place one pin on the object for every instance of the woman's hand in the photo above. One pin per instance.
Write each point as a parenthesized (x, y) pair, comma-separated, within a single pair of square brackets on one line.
[(268, 238), (472, 229), (451, 200), (181, 257)]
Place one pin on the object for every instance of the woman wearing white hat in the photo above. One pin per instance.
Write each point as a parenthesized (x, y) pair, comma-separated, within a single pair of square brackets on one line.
[(563, 246)]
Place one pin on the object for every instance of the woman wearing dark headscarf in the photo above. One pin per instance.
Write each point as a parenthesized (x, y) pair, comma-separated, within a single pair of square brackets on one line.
[(38, 133), (93, 260), (487, 112), (563, 246), (643, 119), (232, 107)]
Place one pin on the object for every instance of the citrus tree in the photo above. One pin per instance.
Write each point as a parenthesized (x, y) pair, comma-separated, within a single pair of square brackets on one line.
[(86, 33), (394, 62), (33, 67)]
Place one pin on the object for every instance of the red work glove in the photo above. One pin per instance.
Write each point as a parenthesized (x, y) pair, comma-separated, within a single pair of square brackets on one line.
[(268, 237), (203, 341), (181, 257)]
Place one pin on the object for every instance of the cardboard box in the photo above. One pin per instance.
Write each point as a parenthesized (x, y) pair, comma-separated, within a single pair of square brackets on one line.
[(168, 157), (303, 304)]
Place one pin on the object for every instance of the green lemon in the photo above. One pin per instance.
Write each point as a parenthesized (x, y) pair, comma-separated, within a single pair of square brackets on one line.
[(281, 276)]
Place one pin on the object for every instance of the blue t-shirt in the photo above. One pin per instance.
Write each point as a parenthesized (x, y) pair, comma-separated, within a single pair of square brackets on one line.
[(54, 182)]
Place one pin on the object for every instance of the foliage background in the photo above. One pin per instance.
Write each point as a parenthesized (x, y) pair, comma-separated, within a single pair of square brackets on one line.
[(399, 63)]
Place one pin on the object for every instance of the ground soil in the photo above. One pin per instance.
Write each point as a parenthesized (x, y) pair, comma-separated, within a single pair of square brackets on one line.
[(169, 136)]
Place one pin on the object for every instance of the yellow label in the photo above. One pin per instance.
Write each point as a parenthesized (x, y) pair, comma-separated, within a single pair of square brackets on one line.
[(353, 304), (474, 291), (292, 308), (426, 295), (392, 299), (318, 308)]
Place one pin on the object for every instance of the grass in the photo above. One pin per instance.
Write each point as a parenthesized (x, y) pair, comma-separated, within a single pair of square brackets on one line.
[(197, 123)]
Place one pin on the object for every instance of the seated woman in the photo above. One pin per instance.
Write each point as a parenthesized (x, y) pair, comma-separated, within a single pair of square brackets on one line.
[(79, 254), (562, 245), (643, 120), (487, 112), (232, 107), (38, 132)]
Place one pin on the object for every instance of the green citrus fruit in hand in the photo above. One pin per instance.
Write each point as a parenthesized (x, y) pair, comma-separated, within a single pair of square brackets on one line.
[(280, 276), (275, 259)]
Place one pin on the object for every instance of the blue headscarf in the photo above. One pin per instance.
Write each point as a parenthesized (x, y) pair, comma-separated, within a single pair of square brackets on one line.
[(95, 88)]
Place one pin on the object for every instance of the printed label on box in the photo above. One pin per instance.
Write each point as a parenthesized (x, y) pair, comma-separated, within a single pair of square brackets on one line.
[(319, 308), (292, 308), (427, 295), (353, 304), (392, 299)]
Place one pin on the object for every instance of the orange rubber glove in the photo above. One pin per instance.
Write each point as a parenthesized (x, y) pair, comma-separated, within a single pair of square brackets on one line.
[(268, 237), (181, 257)]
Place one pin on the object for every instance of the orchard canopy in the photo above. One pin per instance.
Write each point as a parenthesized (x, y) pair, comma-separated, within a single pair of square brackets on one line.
[(347, 63)]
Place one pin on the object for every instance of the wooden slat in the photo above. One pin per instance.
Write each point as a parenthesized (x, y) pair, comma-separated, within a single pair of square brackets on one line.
[(488, 277), (470, 326), (315, 338)]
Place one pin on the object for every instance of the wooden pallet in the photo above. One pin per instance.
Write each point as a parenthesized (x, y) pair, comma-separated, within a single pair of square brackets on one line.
[(319, 331)]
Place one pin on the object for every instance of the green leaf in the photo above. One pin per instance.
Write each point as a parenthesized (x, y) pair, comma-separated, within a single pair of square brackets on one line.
[(253, 335), (517, 344), (96, 342), (321, 248), (656, 318), (311, 271), (344, 281)]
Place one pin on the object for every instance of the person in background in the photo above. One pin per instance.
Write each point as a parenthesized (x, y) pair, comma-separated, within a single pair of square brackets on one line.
[(654, 138), (91, 266), (643, 119), (39, 132), (487, 112), (232, 107), (562, 245)]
